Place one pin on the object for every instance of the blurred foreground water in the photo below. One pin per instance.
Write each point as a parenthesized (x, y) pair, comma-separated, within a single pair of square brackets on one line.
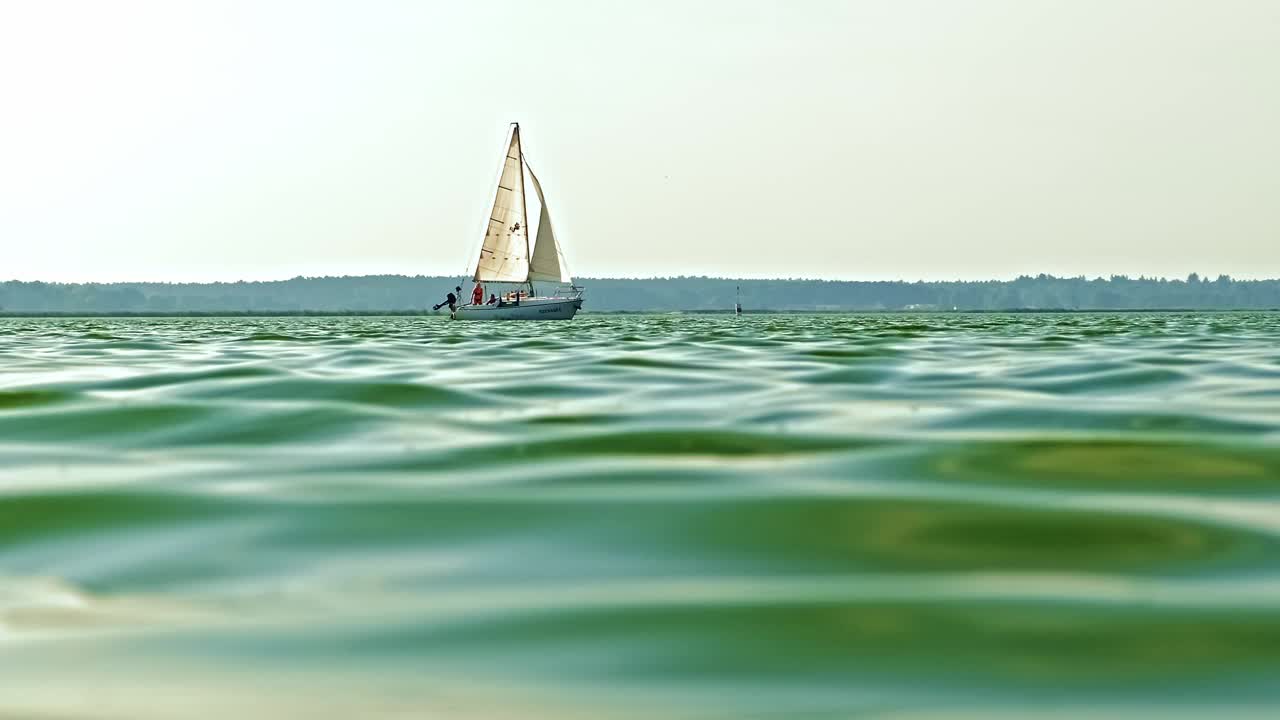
[(641, 516)]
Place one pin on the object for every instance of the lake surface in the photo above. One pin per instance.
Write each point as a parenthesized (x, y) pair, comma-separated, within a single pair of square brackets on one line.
[(641, 516)]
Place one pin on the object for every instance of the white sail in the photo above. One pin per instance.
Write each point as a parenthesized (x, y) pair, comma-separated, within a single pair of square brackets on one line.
[(504, 256), (548, 262)]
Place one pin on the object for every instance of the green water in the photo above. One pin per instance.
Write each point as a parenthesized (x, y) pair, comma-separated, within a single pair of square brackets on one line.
[(661, 516)]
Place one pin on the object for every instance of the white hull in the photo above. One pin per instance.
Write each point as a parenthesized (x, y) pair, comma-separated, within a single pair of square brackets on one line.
[(528, 309)]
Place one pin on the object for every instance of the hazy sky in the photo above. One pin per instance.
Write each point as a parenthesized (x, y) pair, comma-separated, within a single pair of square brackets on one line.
[(859, 139)]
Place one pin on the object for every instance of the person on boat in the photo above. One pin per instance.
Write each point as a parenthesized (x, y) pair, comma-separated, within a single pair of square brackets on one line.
[(477, 294), (451, 300), (492, 299)]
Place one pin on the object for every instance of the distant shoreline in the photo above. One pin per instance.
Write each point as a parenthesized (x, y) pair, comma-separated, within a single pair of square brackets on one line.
[(428, 313), (409, 296)]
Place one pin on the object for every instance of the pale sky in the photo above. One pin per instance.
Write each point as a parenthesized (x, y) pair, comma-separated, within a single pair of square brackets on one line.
[(866, 139)]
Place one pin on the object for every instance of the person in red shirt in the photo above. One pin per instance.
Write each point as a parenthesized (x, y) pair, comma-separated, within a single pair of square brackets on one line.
[(477, 295)]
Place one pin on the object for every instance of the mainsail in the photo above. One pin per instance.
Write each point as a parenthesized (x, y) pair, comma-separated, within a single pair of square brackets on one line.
[(504, 256), (548, 262)]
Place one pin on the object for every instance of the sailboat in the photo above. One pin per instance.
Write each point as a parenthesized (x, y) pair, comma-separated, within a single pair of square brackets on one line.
[(508, 258)]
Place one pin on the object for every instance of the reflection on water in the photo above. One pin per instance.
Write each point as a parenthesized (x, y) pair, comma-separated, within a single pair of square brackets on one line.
[(690, 516)]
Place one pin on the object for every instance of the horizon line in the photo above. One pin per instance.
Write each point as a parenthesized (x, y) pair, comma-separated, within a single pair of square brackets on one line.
[(1050, 276)]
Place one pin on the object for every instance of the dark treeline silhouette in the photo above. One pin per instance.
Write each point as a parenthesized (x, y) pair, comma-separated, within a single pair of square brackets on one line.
[(374, 293)]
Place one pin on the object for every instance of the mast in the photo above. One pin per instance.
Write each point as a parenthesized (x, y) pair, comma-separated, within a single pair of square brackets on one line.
[(524, 207)]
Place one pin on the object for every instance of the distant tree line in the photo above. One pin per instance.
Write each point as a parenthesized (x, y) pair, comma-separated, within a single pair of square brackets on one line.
[(374, 293)]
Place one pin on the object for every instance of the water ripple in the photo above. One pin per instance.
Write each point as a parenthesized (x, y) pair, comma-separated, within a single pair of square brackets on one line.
[(688, 516)]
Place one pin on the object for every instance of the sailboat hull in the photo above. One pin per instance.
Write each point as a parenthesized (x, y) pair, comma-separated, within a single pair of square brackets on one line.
[(528, 309)]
